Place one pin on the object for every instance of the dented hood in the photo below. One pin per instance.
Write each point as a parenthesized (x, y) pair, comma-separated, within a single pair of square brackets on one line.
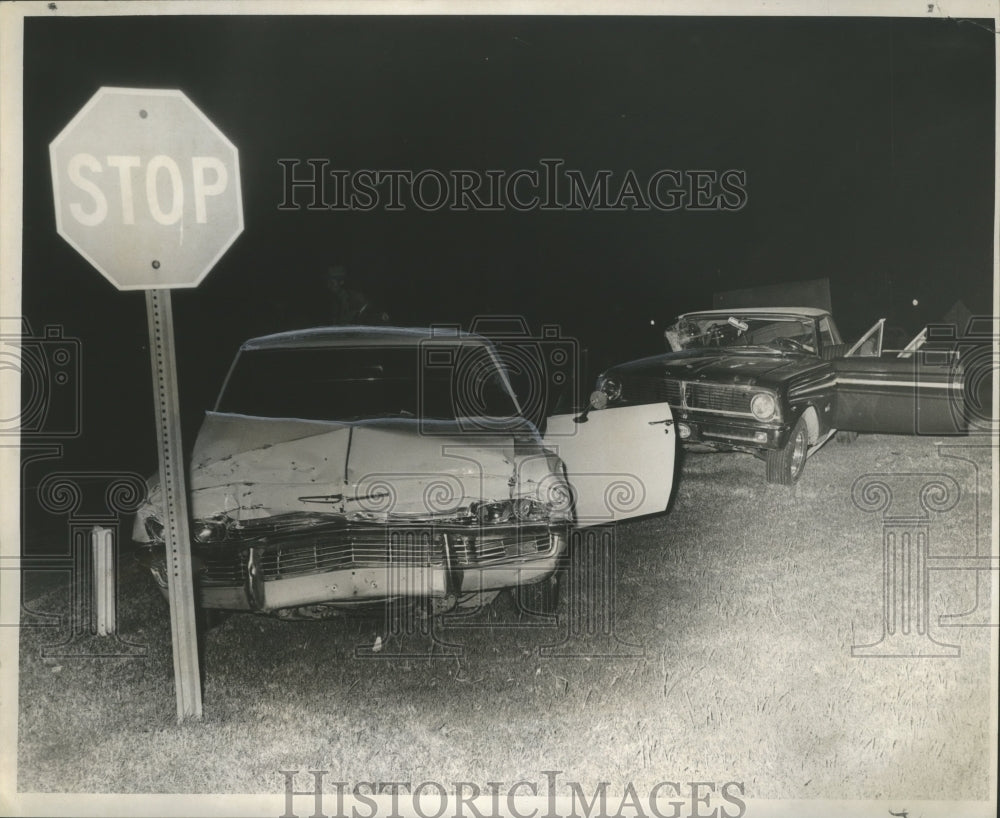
[(746, 366), (251, 468)]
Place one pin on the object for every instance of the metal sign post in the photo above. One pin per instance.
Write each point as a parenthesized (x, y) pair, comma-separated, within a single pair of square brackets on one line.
[(173, 486)]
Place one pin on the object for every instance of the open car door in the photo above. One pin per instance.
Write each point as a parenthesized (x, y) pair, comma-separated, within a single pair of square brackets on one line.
[(619, 461), (914, 391)]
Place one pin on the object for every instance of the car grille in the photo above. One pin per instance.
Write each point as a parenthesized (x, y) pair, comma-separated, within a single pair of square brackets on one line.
[(222, 570), (487, 548), (376, 547), (371, 548), (689, 395), (715, 398)]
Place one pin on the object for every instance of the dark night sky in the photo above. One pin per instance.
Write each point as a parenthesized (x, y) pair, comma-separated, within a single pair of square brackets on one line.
[(868, 147)]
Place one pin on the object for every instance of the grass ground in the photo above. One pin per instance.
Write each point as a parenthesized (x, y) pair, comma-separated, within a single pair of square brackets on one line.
[(730, 660)]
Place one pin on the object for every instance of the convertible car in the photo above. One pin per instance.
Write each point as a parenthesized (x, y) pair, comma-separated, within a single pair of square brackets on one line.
[(779, 382), (343, 467)]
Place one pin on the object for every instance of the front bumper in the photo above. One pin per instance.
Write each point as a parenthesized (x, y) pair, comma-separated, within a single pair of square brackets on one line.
[(365, 564), (713, 413), (727, 431)]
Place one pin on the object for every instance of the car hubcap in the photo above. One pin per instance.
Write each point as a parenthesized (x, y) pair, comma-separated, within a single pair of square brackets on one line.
[(798, 454)]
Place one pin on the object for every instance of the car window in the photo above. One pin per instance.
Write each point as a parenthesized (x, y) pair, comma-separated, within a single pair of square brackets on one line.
[(780, 332), (918, 341), (438, 381), (868, 345), (826, 335)]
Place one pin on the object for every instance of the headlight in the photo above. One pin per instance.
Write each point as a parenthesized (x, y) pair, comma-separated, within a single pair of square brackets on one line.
[(154, 529), (556, 507), (492, 513), (206, 531), (763, 406), (611, 387)]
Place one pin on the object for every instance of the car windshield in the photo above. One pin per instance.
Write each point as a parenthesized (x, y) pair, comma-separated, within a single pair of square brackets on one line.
[(791, 333), (439, 381)]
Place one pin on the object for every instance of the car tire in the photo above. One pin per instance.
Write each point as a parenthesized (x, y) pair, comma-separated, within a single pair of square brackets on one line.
[(539, 597), (846, 438), (785, 465)]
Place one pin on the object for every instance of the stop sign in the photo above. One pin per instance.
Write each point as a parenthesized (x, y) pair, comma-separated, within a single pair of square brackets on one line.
[(146, 188)]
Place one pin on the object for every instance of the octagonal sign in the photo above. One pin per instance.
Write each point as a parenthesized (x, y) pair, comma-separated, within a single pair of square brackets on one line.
[(146, 188)]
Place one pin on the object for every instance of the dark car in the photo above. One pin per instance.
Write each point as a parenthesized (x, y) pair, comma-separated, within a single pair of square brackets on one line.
[(779, 382)]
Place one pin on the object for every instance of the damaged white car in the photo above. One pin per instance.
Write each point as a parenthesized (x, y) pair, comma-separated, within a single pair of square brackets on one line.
[(347, 466)]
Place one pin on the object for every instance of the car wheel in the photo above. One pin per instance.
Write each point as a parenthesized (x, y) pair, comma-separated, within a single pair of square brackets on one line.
[(784, 466), (539, 597), (845, 438)]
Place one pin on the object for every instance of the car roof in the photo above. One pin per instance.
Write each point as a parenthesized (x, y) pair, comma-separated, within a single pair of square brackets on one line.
[(810, 312), (353, 336)]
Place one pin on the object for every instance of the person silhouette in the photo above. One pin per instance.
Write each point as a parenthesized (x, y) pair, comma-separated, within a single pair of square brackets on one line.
[(349, 306)]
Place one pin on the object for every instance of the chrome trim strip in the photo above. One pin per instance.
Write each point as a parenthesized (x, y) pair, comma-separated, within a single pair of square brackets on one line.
[(800, 390), (731, 436), (897, 383)]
